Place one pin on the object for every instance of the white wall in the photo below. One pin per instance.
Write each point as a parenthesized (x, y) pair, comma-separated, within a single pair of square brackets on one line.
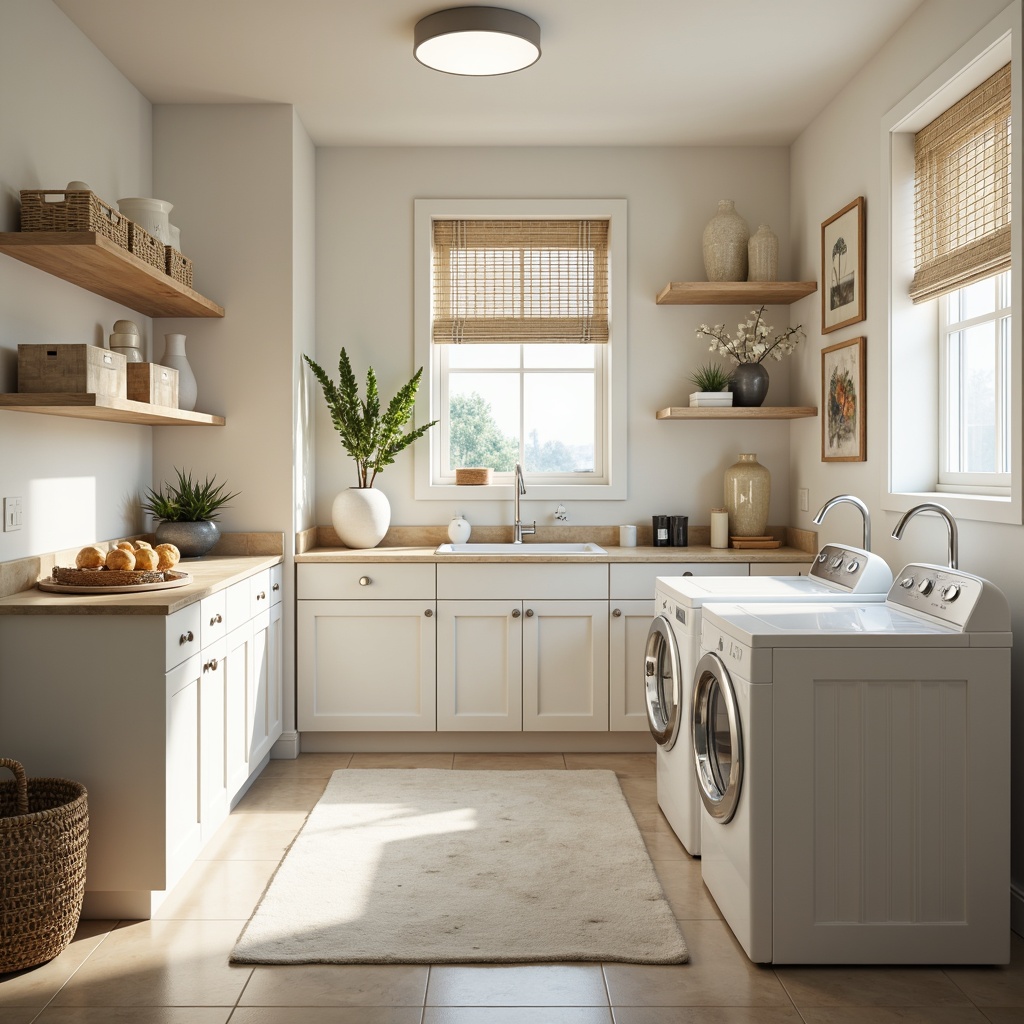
[(836, 159), (365, 291), (79, 480)]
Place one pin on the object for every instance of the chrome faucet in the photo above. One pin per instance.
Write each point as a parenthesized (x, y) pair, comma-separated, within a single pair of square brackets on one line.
[(953, 553), (866, 543), (517, 528)]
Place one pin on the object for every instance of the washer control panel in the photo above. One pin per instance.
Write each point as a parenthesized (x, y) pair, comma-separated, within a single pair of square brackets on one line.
[(956, 598), (851, 570)]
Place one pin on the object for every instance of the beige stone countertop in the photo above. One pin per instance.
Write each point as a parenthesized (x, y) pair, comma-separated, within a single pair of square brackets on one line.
[(209, 574), (695, 553)]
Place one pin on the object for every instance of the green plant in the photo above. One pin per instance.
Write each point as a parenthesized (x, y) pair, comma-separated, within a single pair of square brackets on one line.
[(373, 438), (710, 377), (187, 501)]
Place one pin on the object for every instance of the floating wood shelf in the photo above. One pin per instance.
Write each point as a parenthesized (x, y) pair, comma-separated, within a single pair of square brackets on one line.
[(763, 412), (102, 407), (95, 263), (734, 293)]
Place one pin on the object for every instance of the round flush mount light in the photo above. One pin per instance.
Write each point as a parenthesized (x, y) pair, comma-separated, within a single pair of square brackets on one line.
[(477, 41)]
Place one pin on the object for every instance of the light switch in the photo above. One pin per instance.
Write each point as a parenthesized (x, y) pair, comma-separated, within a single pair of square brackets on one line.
[(12, 514)]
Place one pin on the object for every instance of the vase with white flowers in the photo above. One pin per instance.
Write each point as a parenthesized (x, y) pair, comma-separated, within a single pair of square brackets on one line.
[(753, 343)]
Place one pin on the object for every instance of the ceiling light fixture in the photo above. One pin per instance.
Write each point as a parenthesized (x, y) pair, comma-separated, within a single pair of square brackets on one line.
[(477, 41)]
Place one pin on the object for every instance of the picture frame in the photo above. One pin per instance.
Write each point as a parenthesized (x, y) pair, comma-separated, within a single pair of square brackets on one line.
[(843, 268), (844, 401)]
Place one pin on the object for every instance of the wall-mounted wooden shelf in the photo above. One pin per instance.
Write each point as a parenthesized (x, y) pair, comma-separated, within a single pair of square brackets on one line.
[(95, 263), (734, 293), (762, 412), (102, 407)]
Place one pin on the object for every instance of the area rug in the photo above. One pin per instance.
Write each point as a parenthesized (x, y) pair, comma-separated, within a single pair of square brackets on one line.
[(428, 867)]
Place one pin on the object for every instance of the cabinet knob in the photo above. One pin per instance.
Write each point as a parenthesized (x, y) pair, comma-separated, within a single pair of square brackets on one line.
[(217, 618), (687, 573), (617, 612), (261, 596), (364, 581), (428, 613), (186, 638), (529, 613), (276, 587), (515, 613), (211, 665)]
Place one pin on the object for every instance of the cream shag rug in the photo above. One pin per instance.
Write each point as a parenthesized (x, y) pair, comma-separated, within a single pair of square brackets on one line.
[(428, 867)]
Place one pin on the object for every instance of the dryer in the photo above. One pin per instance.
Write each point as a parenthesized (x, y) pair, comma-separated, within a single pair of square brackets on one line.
[(854, 766), (838, 573)]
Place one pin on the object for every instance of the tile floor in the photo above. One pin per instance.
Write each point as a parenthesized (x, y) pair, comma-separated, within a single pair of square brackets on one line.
[(174, 969)]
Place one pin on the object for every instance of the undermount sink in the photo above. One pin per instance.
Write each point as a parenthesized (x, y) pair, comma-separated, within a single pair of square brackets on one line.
[(536, 548)]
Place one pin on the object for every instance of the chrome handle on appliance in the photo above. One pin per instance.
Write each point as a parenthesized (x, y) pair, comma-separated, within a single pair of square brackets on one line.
[(428, 613), (186, 638), (516, 613), (529, 613), (217, 618), (364, 581), (617, 612)]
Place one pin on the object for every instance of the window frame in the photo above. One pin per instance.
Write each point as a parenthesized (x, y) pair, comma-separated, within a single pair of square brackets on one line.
[(611, 412), (914, 414)]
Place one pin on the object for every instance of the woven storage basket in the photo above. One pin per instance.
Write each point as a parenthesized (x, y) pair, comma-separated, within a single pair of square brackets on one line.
[(178, 267), (142, 244), (44, 832), (106, 577), (77, 211)]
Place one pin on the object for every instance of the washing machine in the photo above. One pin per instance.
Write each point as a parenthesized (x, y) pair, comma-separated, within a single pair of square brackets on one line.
[(837, 573), (854, 771)]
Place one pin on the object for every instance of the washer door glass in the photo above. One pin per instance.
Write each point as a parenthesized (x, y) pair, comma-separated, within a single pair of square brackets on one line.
[(661, 682), (717, 740)]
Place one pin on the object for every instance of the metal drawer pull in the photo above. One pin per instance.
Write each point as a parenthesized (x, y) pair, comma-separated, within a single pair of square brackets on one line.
[(529, 613), (617, 612), (261, 596), (364, 581), (428, 613), (217, 618), (211, 665), (185, 638), (515, 613), (276, 587)]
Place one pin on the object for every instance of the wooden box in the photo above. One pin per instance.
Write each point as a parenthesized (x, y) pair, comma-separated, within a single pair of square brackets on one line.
[(71, 370), (153, 383)]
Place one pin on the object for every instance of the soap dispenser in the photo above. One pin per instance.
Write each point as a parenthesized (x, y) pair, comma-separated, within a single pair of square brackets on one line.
[(459, 530)]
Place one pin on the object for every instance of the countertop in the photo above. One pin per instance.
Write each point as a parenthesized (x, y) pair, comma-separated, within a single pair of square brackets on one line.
[(209, 574)]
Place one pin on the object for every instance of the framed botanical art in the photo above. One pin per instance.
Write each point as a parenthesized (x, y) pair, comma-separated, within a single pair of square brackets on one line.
[(843, 402), (842, 268)]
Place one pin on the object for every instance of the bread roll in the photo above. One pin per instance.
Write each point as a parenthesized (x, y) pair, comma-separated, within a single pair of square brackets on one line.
[(146, 558), (125, 545), (90, 558), (118, 558), (142, 544), (169, 556)]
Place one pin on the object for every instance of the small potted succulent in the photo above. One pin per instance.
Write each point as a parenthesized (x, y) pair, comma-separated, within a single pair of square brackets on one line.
[(187, 513), (712, 383)]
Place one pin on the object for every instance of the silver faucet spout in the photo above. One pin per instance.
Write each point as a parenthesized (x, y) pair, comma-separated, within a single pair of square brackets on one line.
[(851, 499), (517, 527), (953, 544)]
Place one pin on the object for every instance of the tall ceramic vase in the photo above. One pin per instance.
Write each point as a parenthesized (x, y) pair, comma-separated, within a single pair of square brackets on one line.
[(174, 356), (725, 244), (361, 516), (748, 488), (763, 255)]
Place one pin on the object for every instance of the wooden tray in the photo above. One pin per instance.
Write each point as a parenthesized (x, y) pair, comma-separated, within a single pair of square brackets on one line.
[(755, 542), (177, 579)]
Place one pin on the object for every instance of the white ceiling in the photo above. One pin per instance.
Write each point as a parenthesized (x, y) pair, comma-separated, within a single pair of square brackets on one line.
[(612, 72)]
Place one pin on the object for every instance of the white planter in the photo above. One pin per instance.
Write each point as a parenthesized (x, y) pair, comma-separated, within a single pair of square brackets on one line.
[(361, 516), (710, 399)]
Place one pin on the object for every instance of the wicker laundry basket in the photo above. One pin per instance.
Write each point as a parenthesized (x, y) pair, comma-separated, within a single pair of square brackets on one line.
[(44, 832)]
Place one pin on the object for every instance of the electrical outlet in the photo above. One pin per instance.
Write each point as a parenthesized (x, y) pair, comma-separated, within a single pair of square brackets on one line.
[(803, 497), (12, 514)]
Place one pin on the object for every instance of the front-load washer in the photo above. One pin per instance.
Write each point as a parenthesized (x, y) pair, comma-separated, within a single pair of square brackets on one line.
[(837, 573), (854, 766)]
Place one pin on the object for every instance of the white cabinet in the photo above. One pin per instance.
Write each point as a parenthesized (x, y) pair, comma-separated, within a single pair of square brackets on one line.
[(366, 647), (182, 775)]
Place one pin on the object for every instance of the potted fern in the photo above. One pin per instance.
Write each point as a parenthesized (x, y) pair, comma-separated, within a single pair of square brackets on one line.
[(187, 512), (373, 437), (712, 383)]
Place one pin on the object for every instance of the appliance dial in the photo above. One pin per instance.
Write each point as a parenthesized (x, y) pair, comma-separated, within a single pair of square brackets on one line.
[(836, 562), (907, 582), (951, 593), (853, 566), (822, 556), (925, 586)]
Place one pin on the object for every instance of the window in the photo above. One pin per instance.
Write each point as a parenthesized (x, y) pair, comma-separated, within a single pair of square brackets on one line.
[(520, 329)]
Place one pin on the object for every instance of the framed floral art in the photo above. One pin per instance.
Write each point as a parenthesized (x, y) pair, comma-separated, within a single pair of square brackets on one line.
[(843, 268), (844, 402)]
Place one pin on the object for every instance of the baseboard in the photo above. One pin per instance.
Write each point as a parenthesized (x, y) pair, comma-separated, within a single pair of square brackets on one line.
[(1016, 909), (477, 742), (286, 748)]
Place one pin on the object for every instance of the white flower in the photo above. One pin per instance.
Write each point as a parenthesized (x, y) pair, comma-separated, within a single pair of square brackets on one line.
[(753, 341)]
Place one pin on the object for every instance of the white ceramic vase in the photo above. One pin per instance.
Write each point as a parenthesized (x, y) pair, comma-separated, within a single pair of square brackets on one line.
[(748, 488), (174, 356), (361, 516), (725, 244), (763, 255), (150, 214), (459, 530)]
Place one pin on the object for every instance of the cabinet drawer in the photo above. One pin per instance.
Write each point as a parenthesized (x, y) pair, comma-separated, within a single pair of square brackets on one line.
[(276, 584), (182, 632), (238, 601), (259, 592), (559, 581), (320, 581), (635, 580), (212, 624)]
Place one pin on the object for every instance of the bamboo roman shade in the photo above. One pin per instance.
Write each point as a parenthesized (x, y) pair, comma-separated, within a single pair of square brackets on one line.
[(962, 191), (515, 281)]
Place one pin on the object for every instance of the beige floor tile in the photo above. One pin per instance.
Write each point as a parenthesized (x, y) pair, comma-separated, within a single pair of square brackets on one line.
[(892, 1015), (134, 1015), (284, 794), (160, 963), (509, 762), (253, 837), (994, 986), (17, 1015), (869, 986), (662, 845), (517, 985), (685, 890), (705, 1015), (626, 766), (517, 1015), (718, 974), (36, 986), (327, 1015), (306, 766), (218, 890), (336, 985), (425, 760)]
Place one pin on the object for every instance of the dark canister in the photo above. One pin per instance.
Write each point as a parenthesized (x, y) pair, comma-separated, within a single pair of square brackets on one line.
[(660, 531), (677, 531)]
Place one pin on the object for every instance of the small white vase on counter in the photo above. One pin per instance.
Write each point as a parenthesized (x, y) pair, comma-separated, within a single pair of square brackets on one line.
[(361, 516), (459, 530), (763, 255), (725, 244), (174, 355)]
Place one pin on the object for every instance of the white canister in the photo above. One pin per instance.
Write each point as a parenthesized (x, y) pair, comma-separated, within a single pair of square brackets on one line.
[(150, 214), (459, 530), (719, 528), (627, 536)]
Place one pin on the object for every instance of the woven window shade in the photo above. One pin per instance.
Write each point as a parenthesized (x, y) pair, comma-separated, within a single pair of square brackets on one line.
[(520, 281), (962, 191)]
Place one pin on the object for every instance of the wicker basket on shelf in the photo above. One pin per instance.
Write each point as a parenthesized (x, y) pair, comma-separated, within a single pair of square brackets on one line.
[(44, 833), (142, 244), (177, 266), (74, 211)]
